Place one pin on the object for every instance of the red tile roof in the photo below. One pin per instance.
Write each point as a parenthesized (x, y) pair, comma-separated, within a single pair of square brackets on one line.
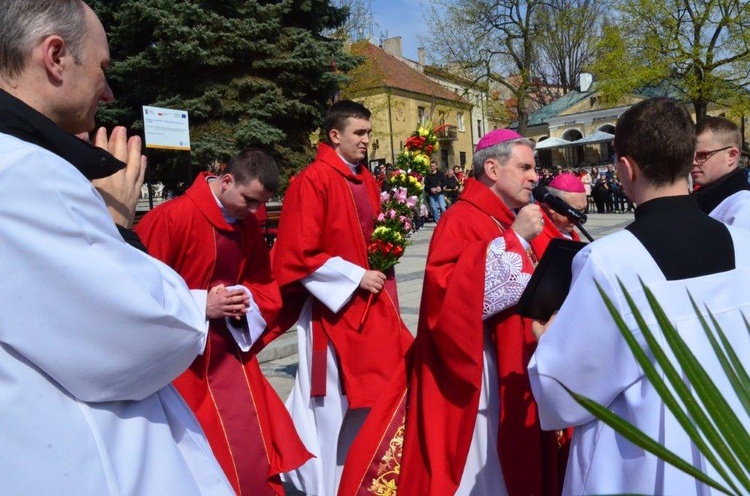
[(397, 74)]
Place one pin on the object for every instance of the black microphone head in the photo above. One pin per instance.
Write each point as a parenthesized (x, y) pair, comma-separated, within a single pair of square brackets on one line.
[(539, 192)]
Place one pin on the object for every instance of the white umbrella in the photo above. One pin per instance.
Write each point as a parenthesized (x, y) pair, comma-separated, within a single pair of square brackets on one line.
[(551, 143), (597, 137)]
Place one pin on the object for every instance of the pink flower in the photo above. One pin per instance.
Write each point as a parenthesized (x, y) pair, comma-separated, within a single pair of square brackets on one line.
[(400, 195), (381, 217), (407, 225), (411, 202), (392, 214), (384, 196)]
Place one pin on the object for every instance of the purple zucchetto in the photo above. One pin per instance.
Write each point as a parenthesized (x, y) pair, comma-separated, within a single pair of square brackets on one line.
[(497, 136), (567, 182)]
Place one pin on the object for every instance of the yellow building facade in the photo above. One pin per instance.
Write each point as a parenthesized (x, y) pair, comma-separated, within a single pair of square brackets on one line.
[(401, 97)]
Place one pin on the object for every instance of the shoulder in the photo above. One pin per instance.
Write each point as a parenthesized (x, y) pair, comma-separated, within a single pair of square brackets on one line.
[(734, 210), (27, 159)]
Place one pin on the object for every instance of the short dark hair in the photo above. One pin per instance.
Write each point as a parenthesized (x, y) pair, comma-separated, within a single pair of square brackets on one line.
[(659, 135), (725, 130), (254, 163), (337, 115)]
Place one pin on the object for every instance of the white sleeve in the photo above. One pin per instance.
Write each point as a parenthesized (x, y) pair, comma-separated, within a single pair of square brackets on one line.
[(334, 282), (104, 320), (582, 349), (503, 280), (248, 332)]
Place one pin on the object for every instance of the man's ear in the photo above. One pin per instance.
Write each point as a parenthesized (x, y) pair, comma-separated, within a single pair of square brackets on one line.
[(628, 167), (335, 136), (491, 167), (226, 181), (734, 157), (55, 55)]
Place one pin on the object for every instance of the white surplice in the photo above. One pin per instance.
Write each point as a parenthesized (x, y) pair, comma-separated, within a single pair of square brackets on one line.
[(320, 422), (584, 350), (92, 332), (734, 210)]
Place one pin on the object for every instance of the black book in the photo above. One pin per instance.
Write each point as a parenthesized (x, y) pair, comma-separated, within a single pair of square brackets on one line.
[(550, 282)]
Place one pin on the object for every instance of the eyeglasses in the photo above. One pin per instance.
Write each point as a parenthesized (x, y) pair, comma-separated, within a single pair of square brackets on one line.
[(701, 157)]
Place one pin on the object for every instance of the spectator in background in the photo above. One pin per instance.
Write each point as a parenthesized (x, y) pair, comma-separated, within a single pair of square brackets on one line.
[(452, 187), (434, 183)]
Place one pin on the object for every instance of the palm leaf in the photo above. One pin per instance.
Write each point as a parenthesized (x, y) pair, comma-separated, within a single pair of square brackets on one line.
[(721, 413), (730, 363), (637, 437), (695, 430), (695, 421)]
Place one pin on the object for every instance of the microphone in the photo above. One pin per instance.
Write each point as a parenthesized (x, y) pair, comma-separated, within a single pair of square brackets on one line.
[(542, 194)]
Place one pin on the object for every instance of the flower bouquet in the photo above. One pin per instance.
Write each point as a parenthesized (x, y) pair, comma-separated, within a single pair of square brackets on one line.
[(389, 238), (419, 146)]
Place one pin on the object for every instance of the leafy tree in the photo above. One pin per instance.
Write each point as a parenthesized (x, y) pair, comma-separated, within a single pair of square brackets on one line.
[(570, 30), (701, 47), (523, 46), (250, 73)]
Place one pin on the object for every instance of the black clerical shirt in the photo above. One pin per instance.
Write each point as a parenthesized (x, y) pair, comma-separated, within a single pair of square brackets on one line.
[(683, 240)]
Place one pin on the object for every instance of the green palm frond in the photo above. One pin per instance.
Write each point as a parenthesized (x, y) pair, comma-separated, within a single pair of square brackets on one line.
[(695, 400)]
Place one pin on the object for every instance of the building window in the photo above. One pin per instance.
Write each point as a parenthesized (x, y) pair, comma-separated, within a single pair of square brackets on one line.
[(461, 122), (462, 157), (479, 127), (421, 113)]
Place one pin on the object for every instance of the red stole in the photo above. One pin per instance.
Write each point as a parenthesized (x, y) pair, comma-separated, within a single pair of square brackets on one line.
[(238, 409)]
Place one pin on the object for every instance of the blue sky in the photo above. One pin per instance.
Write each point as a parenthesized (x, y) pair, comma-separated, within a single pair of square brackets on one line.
[(403, 18)]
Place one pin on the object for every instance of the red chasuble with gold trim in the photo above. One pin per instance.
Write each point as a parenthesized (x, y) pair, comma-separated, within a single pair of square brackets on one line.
[(247, 426), (417, 437)]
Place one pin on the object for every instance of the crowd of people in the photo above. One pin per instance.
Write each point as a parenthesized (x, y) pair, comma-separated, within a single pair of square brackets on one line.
[(128, 355)]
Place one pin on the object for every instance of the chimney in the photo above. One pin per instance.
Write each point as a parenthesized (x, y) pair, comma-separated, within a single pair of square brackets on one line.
[(392, 46), (584, 81), (422, 56)]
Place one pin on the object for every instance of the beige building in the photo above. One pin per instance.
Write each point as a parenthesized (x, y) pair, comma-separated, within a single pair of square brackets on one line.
[(582, 119), (399, 97)]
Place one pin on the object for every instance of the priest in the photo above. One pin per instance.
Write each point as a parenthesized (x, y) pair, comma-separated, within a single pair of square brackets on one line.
[(93, 330), (569, 188), (675, 250), (350, 334), (722, 191), (459, 418), (211, 238)]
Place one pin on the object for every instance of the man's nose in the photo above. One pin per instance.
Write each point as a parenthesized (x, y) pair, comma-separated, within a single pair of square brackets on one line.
[(108, 95)]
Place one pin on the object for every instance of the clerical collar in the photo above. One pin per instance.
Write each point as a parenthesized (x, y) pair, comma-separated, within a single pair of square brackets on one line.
[(229, 218), (23, 122), (667, 204), (352, 167), (683, 241), (710, 196)]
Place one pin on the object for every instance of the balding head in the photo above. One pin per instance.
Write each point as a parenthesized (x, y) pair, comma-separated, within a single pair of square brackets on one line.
[(55, 60)]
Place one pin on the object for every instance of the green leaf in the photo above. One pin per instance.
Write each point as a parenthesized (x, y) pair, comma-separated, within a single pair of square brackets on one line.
[(664, 392), (721, 413), (637, 437), (734, 371)]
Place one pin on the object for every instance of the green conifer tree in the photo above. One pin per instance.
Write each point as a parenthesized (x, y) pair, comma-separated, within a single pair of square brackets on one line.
[(249, 72)]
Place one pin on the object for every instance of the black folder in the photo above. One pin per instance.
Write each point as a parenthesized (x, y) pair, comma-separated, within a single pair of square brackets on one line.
[(550, 282)]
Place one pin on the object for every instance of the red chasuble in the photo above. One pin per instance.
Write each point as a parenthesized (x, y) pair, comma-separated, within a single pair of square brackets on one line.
[(320, 219), (247, 426), (549, 232), (418, 435)]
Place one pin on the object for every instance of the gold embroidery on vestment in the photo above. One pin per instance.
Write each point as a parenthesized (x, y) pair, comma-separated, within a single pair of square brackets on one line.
[(386, 481)]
